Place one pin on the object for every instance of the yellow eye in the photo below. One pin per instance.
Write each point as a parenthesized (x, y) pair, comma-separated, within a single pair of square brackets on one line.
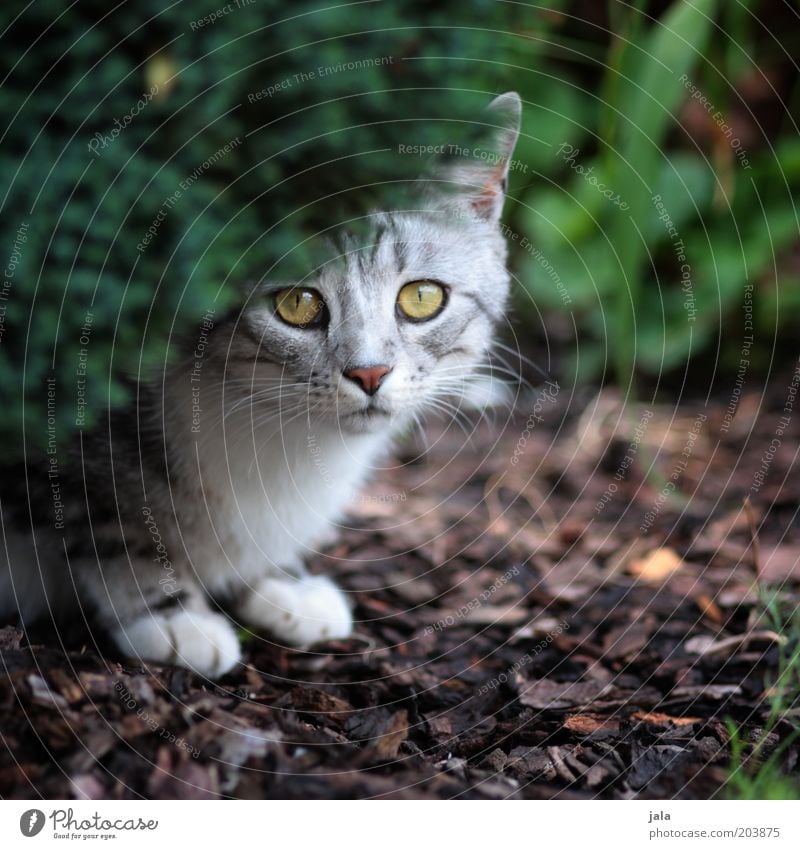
[(421, 299), (300, 307)]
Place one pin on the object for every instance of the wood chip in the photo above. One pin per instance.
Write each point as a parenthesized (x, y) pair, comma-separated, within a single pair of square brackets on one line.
[(708, 691), (10, 638), (627, 639), (44, 696), (655, 718), (556, 695), (387, 746), (320, 703), (589, 723), (440, 727)]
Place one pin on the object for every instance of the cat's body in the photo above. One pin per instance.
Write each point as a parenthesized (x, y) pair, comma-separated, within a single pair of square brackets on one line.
[(235, 464)]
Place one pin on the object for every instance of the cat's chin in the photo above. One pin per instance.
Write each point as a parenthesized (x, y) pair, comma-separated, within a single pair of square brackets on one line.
[(368, 420)]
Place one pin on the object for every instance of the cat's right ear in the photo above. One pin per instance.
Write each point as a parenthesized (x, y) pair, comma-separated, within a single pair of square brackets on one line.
[(473, 180)]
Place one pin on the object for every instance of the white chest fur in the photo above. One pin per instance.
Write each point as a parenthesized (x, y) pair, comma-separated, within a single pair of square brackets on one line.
[(261, 506)]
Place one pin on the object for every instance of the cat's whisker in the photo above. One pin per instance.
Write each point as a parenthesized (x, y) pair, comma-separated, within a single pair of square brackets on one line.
[(283, 415), (488, 370), (254, 422), (482, 412), (460, 390), (268, 394), (231, 385), (448, 419), (450, 412), (238, 400), (499, 363), (515, 352), (419, 427), (233, 428)]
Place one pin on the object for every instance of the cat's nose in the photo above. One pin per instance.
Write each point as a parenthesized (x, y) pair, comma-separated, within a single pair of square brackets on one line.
[(369, 378)]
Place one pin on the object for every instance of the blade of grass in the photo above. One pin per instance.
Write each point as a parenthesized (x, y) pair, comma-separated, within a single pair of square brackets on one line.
[(750, 775), (648, 96)]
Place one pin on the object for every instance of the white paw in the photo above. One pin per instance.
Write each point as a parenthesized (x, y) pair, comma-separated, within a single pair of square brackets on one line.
[(299, 611), (204, 642)]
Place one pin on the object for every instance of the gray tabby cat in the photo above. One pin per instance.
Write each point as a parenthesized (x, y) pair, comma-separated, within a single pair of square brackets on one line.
[(170, 510)]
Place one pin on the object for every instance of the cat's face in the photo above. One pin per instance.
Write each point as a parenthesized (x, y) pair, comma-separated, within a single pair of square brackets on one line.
[(397, 322)]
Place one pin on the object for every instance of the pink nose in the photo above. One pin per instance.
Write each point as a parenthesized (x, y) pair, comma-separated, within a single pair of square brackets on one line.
[(369, 378)]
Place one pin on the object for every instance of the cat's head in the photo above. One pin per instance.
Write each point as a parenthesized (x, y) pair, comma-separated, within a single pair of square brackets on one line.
[(398, 320)]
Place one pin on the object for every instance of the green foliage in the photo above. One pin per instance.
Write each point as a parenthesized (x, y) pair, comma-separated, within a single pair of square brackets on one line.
[(648, 94), (251, 81), (648, 293)]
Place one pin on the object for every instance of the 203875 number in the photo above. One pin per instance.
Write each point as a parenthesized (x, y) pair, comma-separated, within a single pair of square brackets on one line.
[(758, 832)]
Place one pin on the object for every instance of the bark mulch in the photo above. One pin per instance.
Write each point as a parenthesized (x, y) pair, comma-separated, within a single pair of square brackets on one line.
[(567, 604)]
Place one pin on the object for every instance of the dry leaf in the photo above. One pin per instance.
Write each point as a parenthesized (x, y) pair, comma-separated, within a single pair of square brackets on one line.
[(710, 608), (708, 645), (699, 644), (656, 565)]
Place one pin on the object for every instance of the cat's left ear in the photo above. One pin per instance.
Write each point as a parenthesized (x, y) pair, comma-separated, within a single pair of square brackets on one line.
[(479, 176)]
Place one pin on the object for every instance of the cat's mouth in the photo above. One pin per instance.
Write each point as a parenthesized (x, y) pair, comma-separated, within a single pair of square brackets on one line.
[(372, 412)]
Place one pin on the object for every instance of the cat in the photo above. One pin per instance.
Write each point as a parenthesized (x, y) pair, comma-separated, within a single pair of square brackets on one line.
[(241, 456)]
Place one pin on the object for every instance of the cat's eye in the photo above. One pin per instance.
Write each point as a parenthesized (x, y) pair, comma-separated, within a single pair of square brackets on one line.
[(421, 300), (300, 307)]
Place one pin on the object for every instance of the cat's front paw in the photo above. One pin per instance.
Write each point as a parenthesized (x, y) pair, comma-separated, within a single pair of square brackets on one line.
[(300, 611), (202, 641)]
